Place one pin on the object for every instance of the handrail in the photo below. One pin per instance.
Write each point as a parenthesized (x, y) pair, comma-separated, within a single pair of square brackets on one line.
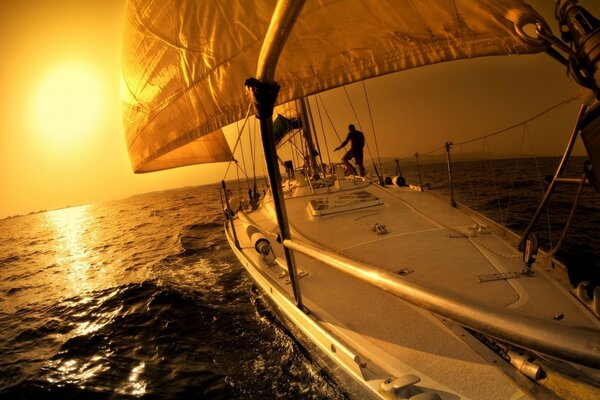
[(577, 344)]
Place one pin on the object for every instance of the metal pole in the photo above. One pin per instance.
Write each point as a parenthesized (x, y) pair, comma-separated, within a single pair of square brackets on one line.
[(264, 90), (285, 15), (569, 342), (559, 171), (316, 137), (266, 130), (419, 172), (571, 215), (308, 137), (448, 147)]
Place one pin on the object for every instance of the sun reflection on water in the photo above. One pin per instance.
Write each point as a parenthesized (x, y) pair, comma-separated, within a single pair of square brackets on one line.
[(77, 372), (135, 385), (79, 272), (74, 237)]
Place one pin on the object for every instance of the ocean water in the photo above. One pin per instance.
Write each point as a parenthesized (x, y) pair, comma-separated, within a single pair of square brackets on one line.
[(142, 297)]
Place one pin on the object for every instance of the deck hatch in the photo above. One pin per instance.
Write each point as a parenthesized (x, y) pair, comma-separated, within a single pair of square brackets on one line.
[(342, 202)]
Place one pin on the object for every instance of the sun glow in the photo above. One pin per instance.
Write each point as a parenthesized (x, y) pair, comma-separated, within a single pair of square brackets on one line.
[(68, 103)]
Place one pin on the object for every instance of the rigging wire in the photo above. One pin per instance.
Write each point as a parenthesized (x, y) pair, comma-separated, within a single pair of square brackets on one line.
[(330, 122), (323, 130), (357, 120), (503, 130), (308, 111), (253, 146), (238, 141), (238, 179), (502, 220), (442, 147), (329, 118), (542, 188), (302, 140), (566, 101), (243, 157), (372, 125), (516, 172), (294, 151), (291, 109), (469, 179)]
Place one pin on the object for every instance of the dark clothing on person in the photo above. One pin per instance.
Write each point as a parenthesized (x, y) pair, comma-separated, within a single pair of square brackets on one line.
[(357, 142), (357, 155), (356, 139)]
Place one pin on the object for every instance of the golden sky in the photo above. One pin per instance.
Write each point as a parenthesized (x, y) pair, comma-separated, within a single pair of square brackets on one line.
[(67, 148), (62, 140)]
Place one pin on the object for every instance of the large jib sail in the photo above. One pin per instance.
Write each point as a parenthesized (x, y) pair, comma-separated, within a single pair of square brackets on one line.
[(185, 61)]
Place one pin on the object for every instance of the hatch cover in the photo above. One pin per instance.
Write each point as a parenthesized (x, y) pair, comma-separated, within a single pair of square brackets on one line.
[(342, 202)]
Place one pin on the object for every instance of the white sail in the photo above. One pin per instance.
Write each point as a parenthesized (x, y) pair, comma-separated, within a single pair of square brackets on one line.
[(185, 62)]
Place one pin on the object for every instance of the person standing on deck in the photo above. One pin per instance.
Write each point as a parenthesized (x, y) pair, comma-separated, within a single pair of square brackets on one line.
[(357, 142)]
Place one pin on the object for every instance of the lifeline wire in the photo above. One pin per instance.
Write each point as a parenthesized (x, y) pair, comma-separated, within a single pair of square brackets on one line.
[(566, 101), (323, 130), (372, 126), (329, 118)]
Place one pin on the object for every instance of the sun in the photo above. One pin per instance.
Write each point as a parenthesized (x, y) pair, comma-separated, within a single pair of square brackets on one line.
[(68, 103)]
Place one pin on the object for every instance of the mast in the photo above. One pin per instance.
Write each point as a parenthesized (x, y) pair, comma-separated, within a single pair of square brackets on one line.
[(311, 151)]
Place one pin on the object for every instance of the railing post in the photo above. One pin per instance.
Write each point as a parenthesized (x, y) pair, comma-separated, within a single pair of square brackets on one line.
[(448, 146), (228, 215), (419, 172), (556, 178)]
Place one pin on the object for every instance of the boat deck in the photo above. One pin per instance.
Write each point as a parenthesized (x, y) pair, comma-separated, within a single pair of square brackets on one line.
[(433, 244)]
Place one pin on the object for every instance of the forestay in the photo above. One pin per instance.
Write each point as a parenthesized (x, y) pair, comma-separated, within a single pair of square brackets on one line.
[(185, 61)]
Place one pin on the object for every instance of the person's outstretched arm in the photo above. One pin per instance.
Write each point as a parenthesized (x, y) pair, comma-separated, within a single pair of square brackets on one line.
[(345, 142)]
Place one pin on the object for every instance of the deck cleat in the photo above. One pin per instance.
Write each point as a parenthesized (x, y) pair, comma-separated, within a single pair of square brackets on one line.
[(379, 229), (402, 387)]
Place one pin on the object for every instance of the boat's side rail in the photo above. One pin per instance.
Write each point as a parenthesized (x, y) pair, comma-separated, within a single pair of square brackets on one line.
[(554, 338)]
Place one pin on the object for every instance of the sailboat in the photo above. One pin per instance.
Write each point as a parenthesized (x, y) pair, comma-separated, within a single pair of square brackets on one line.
[(395, 292)]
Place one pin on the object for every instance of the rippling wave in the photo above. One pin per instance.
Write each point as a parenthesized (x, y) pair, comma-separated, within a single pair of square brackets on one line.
[(139, 298)]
